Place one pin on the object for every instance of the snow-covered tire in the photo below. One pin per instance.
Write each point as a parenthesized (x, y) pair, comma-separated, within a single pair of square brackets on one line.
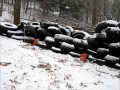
[(28, 39), (119, 24), (113, 33), (9, 35), (111, 60), (42, 34), (65, 31), (42, 45), (49, 41), (93, 43), (55, 49), (92, 53), (101, 37), (70, 28), (66, 47), (17, 37), (74, 54), (52, 30), (63, 38), (4, 26), (80, 34), (102, 52), (96, 60), (36, 25), (23, 24), (46, 24), (114, 49), (104, 24), (17, 33), (79, 43)]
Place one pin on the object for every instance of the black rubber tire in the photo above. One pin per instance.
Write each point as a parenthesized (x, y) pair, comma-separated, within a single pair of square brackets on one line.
[(53, 30), (70, 28), (114, 49), (46, 24), (49, 41), (113, 33), (8, 35), (73, 54), (55, 49), (96, 60), (104, 24), (17, 33), (119, 24), (42, 45), (102, 52), (17, 37), (30, 31), (111, 60), (93, 43), (79, 43), (65, 31), (101, 37), (66, 47), (28, 39), (42, 34), (80, 34), (36, 25), (63, 38), (4, 27), (0, 32), (92, 53)]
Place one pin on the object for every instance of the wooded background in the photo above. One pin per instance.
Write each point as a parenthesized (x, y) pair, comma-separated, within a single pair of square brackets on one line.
[(77, 13)]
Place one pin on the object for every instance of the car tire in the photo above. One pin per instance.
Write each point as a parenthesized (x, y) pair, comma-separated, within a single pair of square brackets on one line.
[(53, 30), (63, 38), (104, 24), (66, 47), (42, 34)]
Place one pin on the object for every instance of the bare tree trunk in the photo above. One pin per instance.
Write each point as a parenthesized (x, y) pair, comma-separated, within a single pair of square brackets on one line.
[(27, 5), (1, 7), (94, 14), (118, 14), (17, 8)]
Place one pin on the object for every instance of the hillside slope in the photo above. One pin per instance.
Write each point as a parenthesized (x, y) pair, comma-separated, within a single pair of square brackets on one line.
[(26, 67)]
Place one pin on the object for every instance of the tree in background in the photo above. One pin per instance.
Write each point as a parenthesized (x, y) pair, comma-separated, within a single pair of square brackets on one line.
[(82, 13), (1, 7), (17, 8)]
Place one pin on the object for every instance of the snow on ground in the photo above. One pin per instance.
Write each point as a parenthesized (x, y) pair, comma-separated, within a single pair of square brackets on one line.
[(26, 67)]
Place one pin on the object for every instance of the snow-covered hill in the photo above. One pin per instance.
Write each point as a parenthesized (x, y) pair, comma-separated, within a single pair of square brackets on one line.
[(27, 67)]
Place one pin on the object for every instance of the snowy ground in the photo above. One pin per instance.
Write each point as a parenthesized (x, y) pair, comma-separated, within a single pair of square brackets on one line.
[(26, 67)]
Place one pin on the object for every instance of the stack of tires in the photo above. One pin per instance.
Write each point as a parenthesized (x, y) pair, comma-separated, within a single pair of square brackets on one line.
[(69, 41), (105, 43), (9, 29), (102, 46)]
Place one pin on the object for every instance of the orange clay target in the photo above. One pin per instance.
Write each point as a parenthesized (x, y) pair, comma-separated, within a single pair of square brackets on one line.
[(83, 57)]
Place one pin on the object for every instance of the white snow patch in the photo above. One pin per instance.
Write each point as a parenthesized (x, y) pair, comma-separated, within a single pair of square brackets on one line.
[(34, 68)]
